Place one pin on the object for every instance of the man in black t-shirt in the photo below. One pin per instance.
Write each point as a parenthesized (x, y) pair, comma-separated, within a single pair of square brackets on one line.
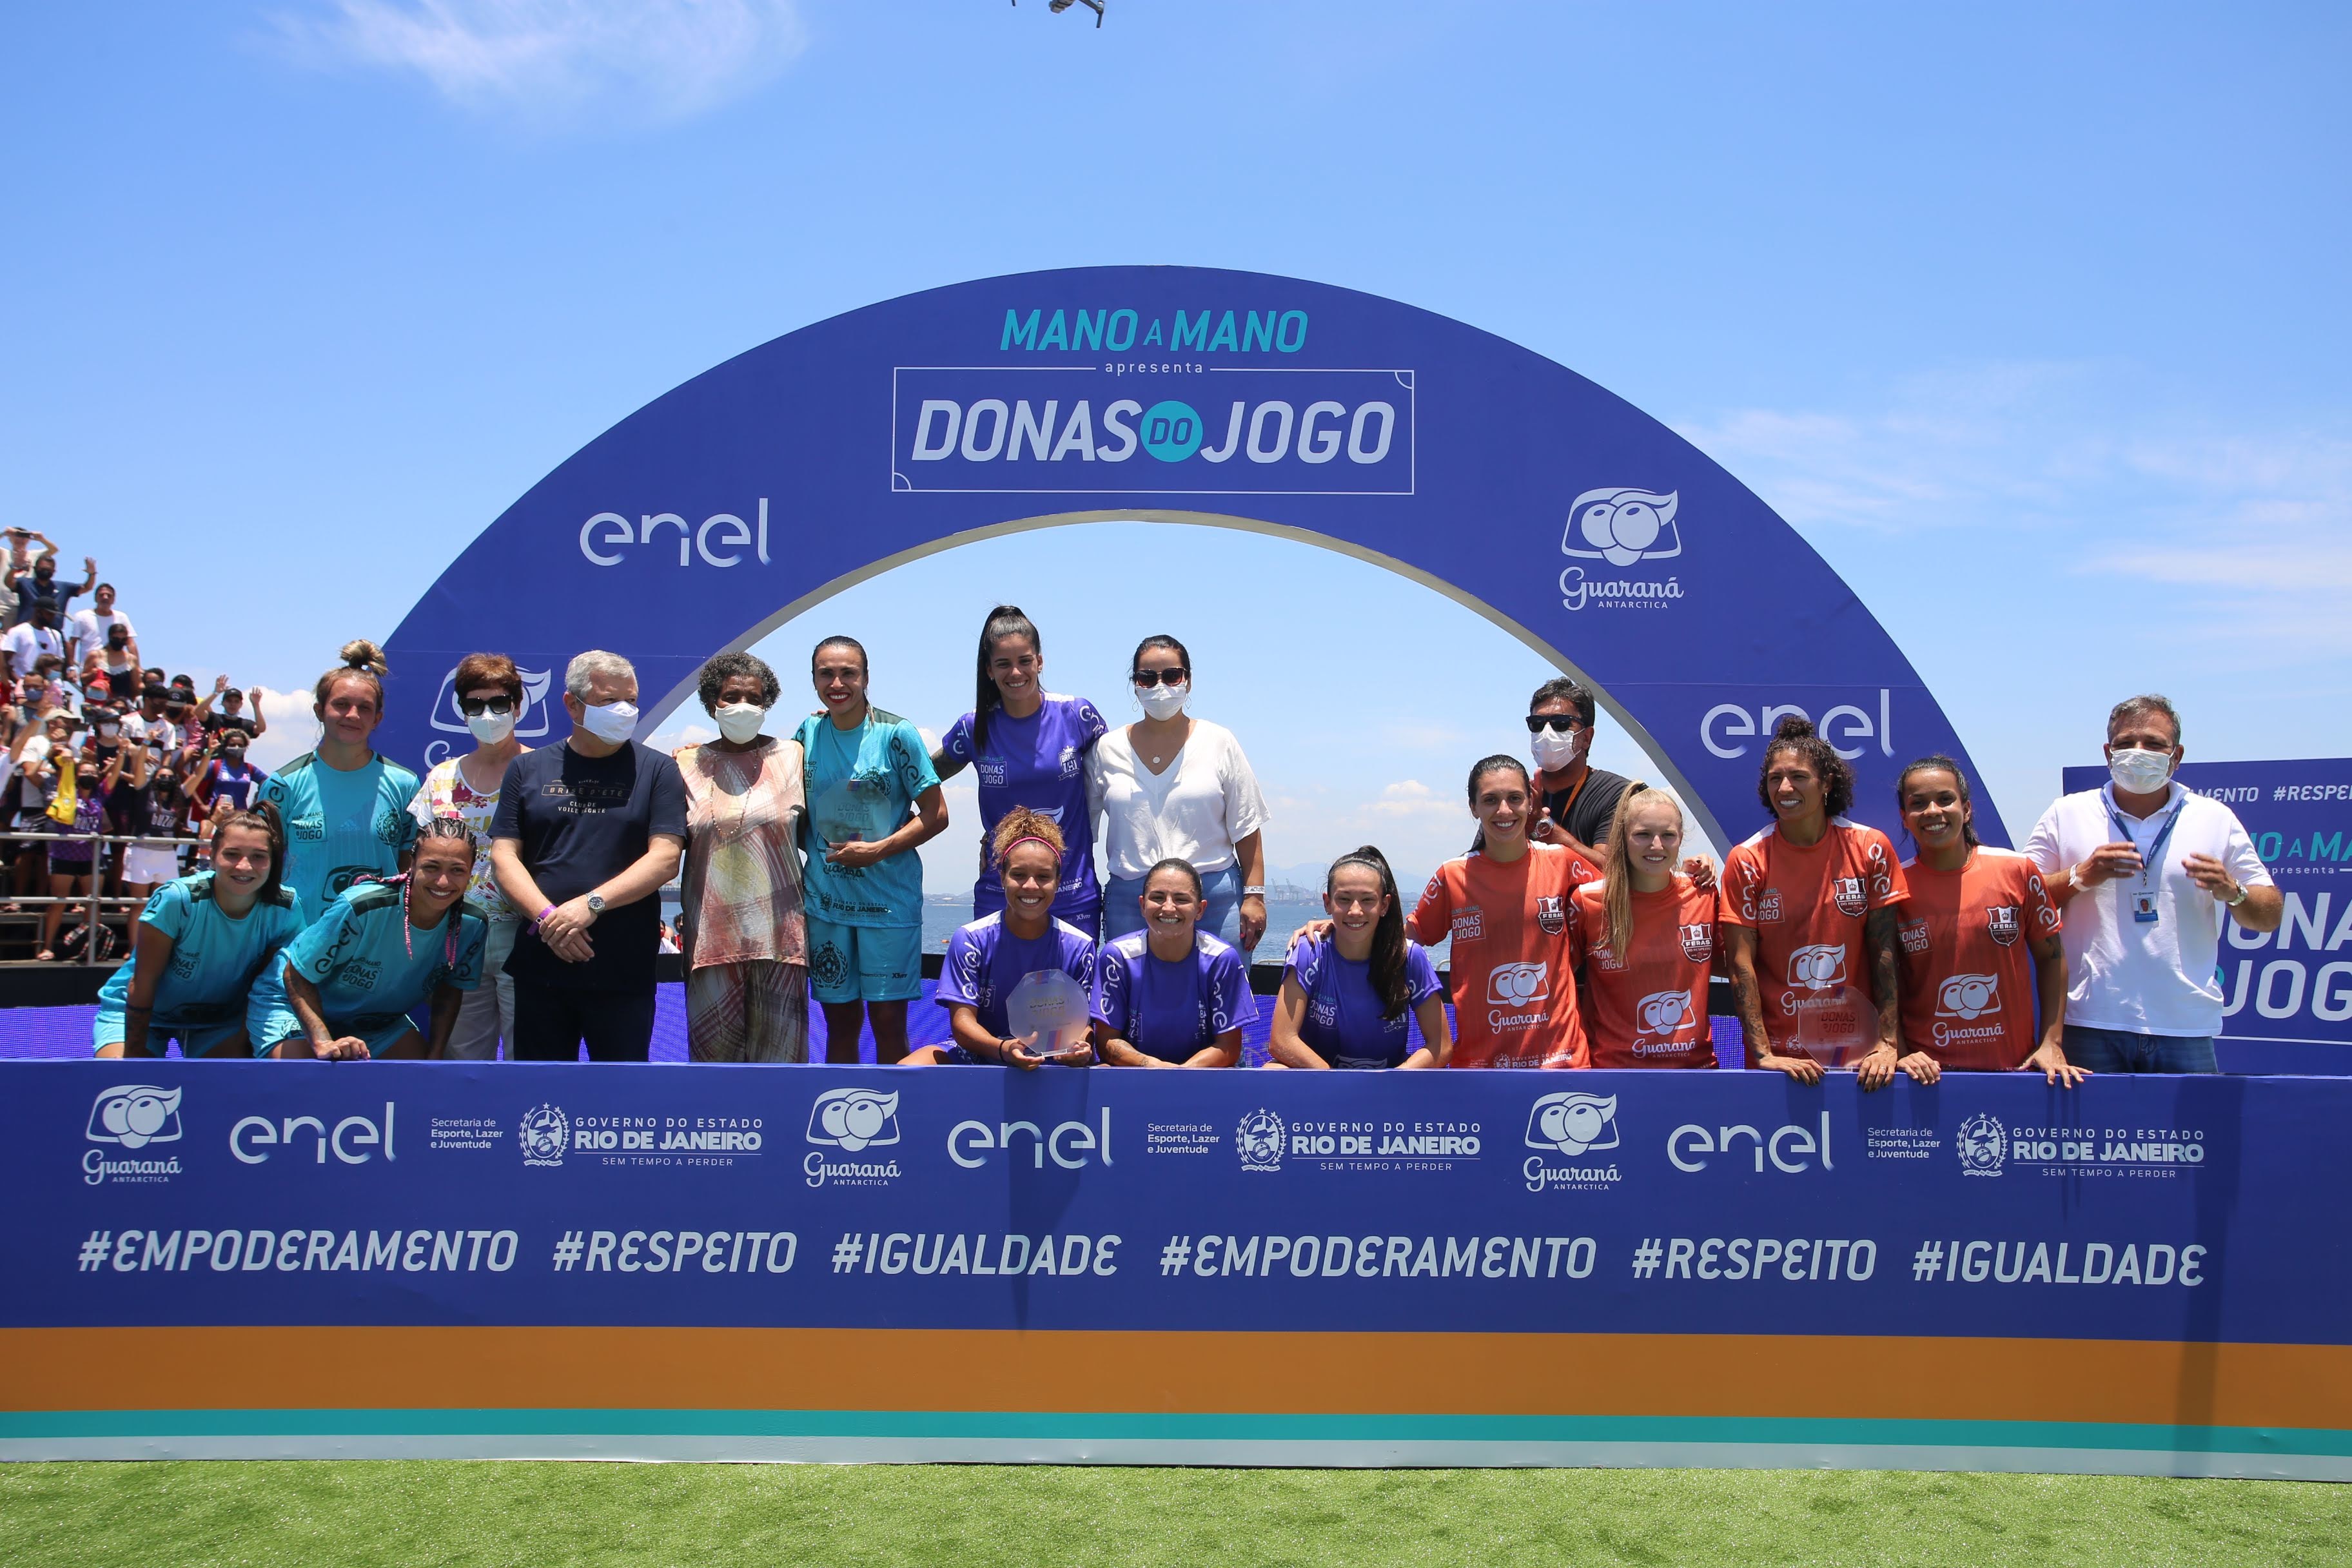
[(1577, 798), (584, 835)]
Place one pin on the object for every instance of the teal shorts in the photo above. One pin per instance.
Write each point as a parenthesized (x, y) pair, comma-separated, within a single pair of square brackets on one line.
[(197, 1036), (381, 1031), (865, 964)]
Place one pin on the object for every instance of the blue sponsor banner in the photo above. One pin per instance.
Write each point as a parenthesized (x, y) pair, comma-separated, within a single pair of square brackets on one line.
[(189, 1194), (2287, 994)]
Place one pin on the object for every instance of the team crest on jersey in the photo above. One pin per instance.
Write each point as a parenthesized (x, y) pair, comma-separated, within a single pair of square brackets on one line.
[(1698, 942), (1848, 894), (1552, 915), (2001, 921)]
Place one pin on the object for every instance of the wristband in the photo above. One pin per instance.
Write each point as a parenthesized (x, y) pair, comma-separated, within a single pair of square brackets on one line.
[(539, 919), (1252, 892)]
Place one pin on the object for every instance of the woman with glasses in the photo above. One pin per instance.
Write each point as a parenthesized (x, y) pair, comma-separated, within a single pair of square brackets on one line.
[(1173, 787), (1029, 746), (1575, 801), (488, 689)]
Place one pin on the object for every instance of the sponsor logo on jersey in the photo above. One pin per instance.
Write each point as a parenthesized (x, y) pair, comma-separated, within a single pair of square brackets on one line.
[(1698, 942), (1968, 996), (1470, 925), (1551, 914), (1663, 1012), (2001, 921), (1518, 985), (1817, 966), (1848, 894)]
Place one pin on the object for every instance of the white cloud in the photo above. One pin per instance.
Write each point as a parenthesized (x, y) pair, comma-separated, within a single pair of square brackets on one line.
[(552, 59), (293, 730), (2069, 465)]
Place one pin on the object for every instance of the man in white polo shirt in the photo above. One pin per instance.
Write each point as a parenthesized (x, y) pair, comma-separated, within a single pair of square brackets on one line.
[(2144, 870)]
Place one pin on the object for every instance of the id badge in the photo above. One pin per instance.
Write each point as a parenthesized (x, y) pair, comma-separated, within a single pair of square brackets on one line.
[(2144, 908)]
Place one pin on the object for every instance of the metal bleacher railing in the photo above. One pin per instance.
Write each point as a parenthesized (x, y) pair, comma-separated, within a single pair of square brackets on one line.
[(22, 915)]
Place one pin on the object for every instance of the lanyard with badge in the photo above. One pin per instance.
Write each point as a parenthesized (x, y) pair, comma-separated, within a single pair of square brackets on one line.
[(2142, 901)]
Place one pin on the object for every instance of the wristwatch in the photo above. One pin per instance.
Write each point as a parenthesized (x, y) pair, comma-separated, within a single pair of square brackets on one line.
[(2233, 903), (1252, 892), (595, 903)]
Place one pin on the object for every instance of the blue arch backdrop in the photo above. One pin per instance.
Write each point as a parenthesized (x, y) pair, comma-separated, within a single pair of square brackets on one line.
[(1184, 396)]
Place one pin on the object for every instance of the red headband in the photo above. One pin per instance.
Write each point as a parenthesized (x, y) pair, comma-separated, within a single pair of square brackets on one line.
[(1025, 839)]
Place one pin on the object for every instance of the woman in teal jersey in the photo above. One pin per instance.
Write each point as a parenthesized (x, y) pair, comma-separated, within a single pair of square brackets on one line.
[(872, 800), (199, 944), (344, 989), (345, 808)]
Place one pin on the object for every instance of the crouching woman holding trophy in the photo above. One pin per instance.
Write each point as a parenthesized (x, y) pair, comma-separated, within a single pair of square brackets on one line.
[(1016, 983)]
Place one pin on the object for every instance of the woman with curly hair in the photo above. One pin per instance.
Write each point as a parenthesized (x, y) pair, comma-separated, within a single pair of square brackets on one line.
[(1808, 907), (989, 958)]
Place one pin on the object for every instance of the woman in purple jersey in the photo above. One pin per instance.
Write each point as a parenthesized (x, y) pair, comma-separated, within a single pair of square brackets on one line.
[(1347, 993), (987, 959), (1172, 995), (1029, 746)]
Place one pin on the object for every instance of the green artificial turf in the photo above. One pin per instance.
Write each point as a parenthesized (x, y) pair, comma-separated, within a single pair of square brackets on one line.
[(363, 1513)]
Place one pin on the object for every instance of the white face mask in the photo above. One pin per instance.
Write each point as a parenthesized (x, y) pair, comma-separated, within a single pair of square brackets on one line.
[(1163, 701), (2137, 772), (488, 728), (1554, 750), (739, 721), (614, 722)]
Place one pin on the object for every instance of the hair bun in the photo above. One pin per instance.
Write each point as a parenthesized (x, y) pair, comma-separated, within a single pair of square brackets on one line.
[(360, 654), (1793, 727)]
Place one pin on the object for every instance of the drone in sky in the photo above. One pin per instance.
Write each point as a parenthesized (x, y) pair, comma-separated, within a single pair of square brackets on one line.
[(1058, 7)]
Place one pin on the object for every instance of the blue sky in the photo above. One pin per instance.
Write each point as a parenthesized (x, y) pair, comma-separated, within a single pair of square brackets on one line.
[(2031, 319)]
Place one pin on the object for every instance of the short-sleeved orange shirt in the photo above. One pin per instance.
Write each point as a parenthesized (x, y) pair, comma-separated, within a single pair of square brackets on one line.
[(1513, 986), (1967, 959), (1647, 1009), (1806, 904)]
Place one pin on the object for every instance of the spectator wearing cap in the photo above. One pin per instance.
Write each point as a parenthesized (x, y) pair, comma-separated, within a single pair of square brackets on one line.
[(1575, 801), (233, 713), (2144, 870), (33, 638), (41, 587), (88, 630)]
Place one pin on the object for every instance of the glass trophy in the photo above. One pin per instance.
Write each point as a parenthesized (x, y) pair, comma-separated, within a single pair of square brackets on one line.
[(1049, 1009), (851, 810), (1837, 1025)]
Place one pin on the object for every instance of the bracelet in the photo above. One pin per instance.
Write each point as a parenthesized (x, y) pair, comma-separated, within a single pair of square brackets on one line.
[(1252, 892), (537, 919)]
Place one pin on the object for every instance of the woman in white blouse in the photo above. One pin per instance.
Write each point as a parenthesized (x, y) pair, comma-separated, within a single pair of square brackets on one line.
[(1174, 786)]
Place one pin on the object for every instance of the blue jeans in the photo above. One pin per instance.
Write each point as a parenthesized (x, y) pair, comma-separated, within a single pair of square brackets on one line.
[(1123, 906), (2121, 1051)]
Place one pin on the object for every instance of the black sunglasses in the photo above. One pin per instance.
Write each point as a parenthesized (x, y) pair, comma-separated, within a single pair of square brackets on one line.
[(474, 707), (1148, 678), (1561, 723)]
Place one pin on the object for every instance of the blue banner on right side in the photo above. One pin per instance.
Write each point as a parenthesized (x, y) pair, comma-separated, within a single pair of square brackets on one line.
[(2287, 994)]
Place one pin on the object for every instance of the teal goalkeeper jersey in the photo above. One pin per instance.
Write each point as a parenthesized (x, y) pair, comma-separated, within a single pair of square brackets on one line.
[(369, 962), (341, 826), (214, 960)]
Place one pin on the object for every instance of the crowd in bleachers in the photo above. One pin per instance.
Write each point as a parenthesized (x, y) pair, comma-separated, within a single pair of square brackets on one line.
[(111, 767)]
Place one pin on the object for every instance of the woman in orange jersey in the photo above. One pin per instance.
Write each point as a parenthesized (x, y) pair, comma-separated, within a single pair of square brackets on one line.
[(1643, 939), (1809, 910), (1980, 937), (1504, 904)]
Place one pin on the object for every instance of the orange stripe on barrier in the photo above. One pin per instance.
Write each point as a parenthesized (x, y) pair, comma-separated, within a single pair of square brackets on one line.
[(327, 1367)]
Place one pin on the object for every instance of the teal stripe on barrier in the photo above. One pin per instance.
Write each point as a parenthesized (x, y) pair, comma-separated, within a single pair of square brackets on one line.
[(1122, 1425)]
